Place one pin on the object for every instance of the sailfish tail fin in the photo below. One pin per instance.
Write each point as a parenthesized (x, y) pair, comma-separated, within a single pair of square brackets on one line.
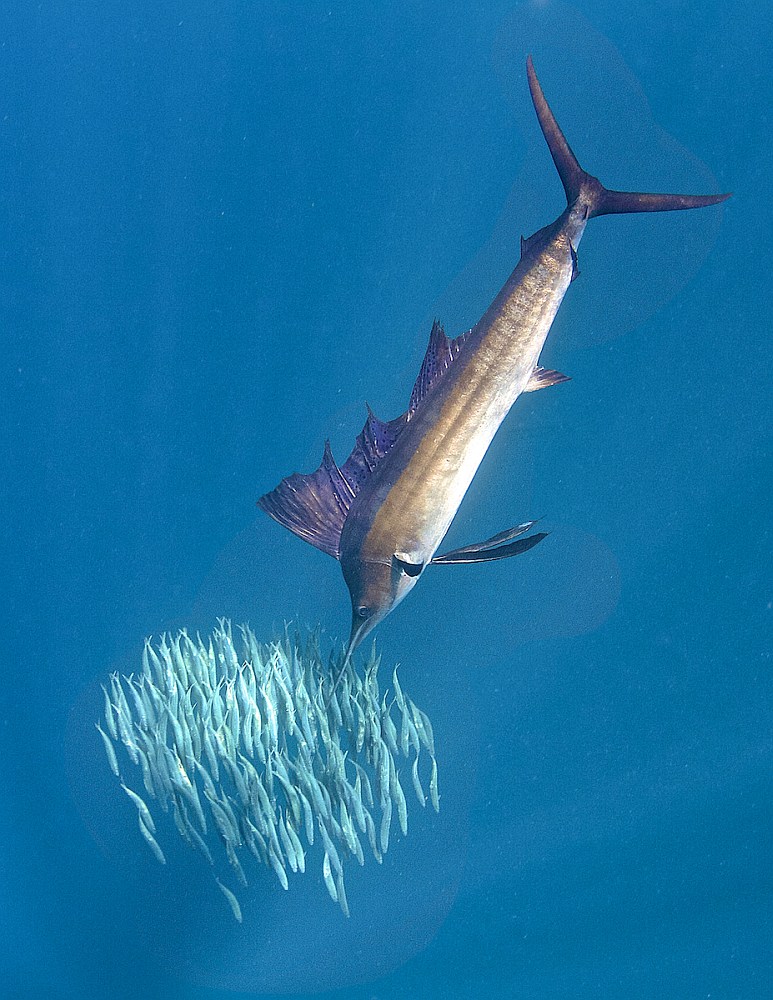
[(583, 187)]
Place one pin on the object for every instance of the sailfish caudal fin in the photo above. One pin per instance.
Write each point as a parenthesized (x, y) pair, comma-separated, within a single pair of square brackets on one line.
[(583, 187)]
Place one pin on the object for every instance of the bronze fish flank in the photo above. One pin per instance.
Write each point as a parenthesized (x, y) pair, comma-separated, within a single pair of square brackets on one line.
[(385, 511)]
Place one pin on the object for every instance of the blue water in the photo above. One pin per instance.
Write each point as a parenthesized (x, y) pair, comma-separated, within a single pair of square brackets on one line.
[(224, 227)]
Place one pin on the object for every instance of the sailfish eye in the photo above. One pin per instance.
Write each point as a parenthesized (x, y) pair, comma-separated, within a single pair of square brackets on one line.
[(363, 612)]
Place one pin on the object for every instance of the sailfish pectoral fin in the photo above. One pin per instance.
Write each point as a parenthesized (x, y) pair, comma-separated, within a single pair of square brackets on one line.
[(499, 546)]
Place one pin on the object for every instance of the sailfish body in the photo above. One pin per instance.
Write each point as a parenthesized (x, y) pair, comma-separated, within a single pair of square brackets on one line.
[(385, 511)]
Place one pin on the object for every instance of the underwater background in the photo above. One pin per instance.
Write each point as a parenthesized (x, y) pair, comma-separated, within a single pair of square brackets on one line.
[(224, 228)]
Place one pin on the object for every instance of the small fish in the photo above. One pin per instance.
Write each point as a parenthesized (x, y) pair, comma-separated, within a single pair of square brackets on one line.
[(330, 848), (398, 797), (323, 782), (367, 791), (177, 729), (109, 751), (291, 796), (255, 841), (147, 773), (237, 778), (308, 816), (300, 857), (271, 832), (139, 705), (355, 801), (386, 820), (142, 809), (287, 844), (347, 829), (233, 902), (208, 749), (341, 892), (123, 720), (150, 840), (233, 860), (417, 782), (227, 830), (276, 863), (370, 828), (109, 716), (155, 663), (433, 789), (272, 720), (423, 727), (399, 696), (388, 730), (198, 841), (209, 786), (327, 875)]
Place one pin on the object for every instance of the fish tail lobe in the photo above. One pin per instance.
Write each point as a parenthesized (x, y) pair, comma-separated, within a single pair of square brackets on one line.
[(582, 187)]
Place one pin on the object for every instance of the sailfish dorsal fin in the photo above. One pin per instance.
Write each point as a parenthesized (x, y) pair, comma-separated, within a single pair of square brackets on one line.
[(373, 442), (314, 505), (441, 353)]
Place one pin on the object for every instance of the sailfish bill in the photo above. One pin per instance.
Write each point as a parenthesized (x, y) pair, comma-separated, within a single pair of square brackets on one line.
[(385, 511)]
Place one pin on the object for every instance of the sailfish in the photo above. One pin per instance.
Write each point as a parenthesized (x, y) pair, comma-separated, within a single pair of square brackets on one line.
[(384, 512)]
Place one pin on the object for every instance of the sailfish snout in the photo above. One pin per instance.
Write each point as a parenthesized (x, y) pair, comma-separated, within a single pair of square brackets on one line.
[(376, 588), (372, 594)]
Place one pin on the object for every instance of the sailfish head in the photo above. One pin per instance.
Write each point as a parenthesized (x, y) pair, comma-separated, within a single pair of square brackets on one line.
[(376, 588)]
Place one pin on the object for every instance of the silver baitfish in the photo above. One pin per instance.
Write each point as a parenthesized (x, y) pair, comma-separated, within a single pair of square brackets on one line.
[(245, 748)]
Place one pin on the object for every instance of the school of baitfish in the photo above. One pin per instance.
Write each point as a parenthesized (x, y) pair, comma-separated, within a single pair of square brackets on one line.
[(253, 749)]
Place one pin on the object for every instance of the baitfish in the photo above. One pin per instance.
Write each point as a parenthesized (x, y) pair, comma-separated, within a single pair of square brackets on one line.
[(233, 902), (142, 809), (111, 757), (384, 513), (150, 840), (305, 783)]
